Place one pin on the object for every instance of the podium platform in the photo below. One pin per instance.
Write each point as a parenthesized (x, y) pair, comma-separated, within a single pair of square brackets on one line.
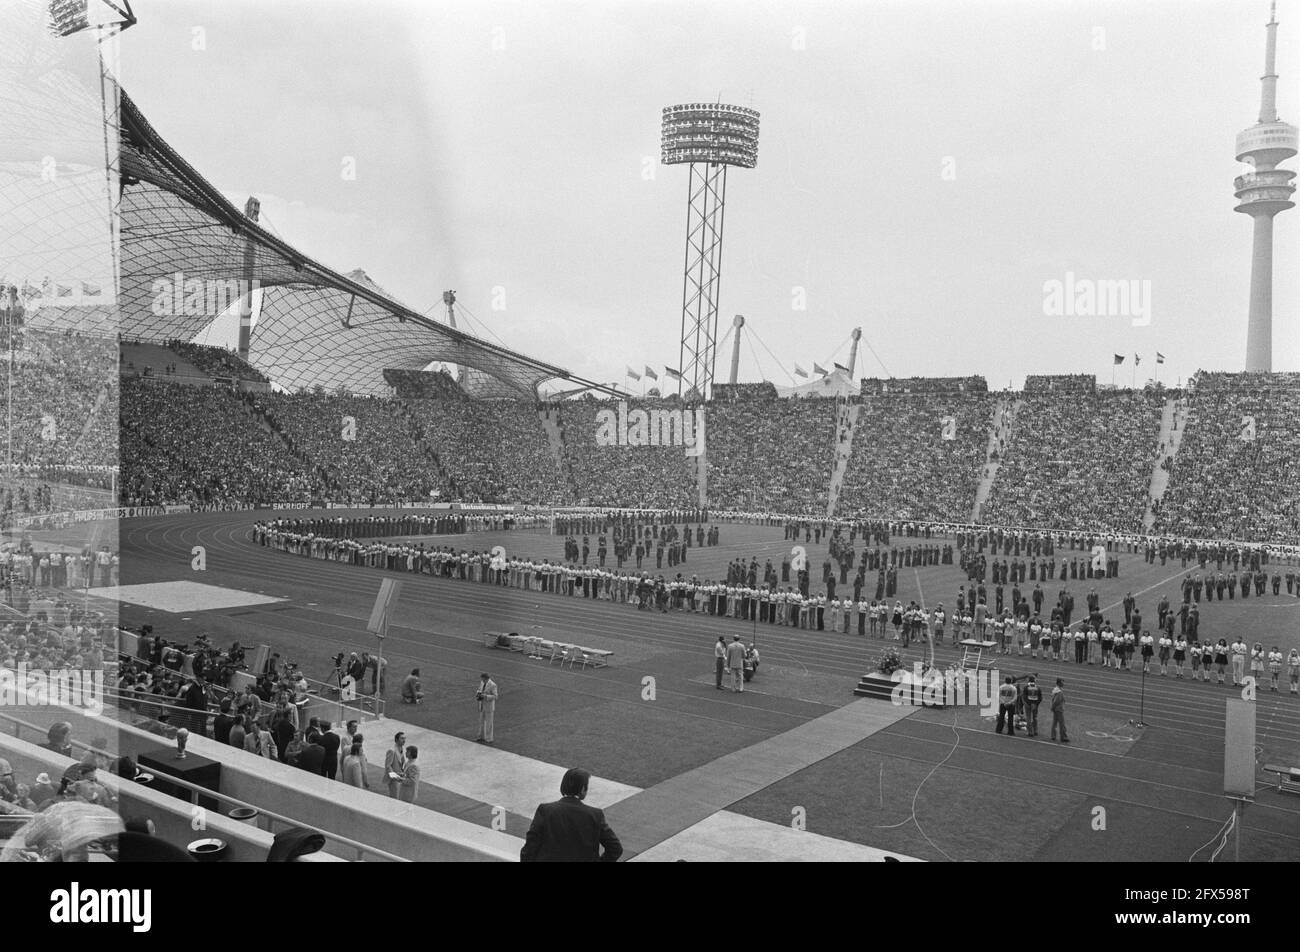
[(882, 688), (972, 652), (876, 685)]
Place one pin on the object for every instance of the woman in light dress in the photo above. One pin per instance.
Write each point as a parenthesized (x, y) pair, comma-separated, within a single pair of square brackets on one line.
[(354, 765)]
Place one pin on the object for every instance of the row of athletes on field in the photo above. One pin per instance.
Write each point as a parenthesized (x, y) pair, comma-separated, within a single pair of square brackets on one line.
[(739, 596), (1094, 641), (1034, 543), (1116, 649)]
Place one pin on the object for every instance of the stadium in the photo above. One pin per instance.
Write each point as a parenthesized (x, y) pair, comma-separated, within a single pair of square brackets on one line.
[(279, 547)]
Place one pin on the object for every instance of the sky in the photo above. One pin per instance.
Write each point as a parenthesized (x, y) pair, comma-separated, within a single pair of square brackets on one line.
[(925, 168)]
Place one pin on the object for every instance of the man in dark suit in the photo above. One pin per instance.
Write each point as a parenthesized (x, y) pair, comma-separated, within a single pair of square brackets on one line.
[(569, 831), (195, 697), (312, 758), (222, 723), (330, 741)]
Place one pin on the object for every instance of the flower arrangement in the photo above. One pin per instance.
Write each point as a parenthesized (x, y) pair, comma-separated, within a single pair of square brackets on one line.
[(890, 661)]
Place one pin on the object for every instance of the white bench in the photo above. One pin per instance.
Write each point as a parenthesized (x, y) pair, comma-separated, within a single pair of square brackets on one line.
[(1288, 778)]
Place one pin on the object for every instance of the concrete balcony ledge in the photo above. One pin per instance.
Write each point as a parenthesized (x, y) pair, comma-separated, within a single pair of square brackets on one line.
[(1274, 178)]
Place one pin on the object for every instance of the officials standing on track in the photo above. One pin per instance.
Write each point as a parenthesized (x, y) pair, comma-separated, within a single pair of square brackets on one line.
[(736, 663), (1058, 710)]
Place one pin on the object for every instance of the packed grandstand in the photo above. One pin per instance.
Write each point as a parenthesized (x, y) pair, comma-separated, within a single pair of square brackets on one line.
[(1151, 461), (333, 398)]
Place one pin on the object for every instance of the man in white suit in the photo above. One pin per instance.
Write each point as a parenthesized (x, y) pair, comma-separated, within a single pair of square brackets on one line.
[(487, 708), (736, 663), (395, 764)]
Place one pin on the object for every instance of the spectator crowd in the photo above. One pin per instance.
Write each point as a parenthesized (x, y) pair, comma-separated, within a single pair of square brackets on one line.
[(773, 455), (917, 455), (1076, 458)]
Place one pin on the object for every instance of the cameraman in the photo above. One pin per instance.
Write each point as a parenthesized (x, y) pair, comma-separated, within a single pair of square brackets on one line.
[(356, 668), (412, 693), (338, 671), (172, 657), (199, 662)]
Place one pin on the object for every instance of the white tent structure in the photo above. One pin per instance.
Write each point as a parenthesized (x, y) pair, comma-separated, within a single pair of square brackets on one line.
[(835, 384)]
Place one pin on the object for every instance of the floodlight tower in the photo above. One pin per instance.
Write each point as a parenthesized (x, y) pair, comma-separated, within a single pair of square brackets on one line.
[(709, 137), (1261, 194)]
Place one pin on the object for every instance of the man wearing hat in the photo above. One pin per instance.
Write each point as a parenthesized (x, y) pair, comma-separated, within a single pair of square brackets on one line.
[(43, 791)]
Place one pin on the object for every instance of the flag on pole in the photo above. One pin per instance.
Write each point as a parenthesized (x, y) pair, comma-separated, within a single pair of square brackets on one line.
[(819, 369), (1160, 358), (633, 374), (672, 373), (799, 371), (1118, 360), (842, 367), (1136, 360), (61, 290), (650, 373), (89, 289)]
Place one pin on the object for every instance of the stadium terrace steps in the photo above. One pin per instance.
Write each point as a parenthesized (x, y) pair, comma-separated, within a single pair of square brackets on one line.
[(1004, 415), (554, 427), (100, 399), (422, 441), (1171, 435), (843, 453), (265, 419), (551, 424)]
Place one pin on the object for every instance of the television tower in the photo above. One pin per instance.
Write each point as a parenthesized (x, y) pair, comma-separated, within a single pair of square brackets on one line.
[(1261, 194)]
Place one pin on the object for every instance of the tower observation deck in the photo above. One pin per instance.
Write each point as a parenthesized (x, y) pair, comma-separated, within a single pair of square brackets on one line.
[(1261, 194)]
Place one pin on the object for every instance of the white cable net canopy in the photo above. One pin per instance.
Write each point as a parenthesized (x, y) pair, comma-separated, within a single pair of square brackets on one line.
[(315, 326)]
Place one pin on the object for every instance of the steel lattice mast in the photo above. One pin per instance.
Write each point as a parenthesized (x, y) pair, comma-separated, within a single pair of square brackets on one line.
[(709, 137)]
